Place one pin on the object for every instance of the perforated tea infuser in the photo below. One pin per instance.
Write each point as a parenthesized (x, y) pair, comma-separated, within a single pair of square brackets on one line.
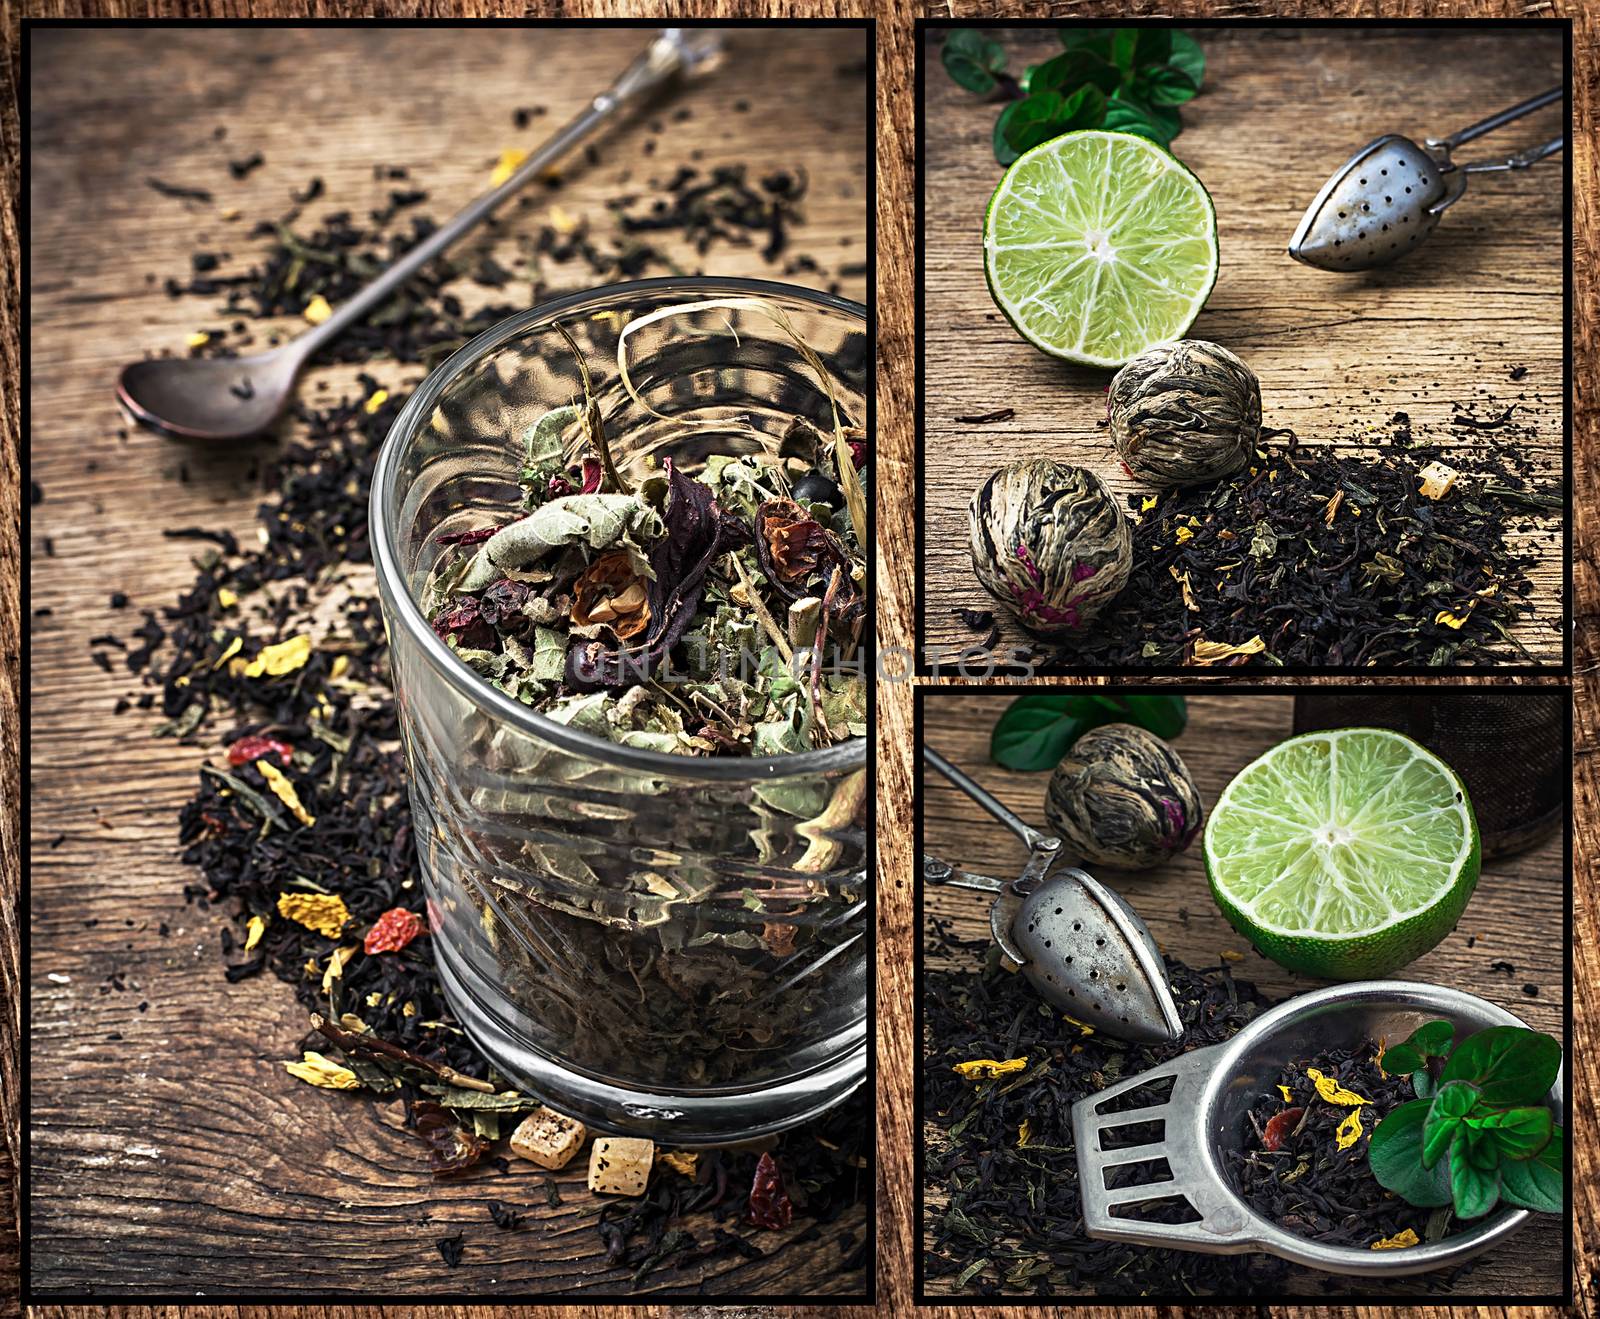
[(1081, 946), (1389, 196), (1200, 1099)]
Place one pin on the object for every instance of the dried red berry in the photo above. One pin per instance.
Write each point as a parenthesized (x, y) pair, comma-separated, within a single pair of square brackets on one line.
[(248, 749), (769, 1202), (1279, 1128), (393, 931)]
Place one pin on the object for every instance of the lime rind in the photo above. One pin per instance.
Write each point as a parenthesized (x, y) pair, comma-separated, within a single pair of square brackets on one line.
[(1381, 836), (1097, 274)]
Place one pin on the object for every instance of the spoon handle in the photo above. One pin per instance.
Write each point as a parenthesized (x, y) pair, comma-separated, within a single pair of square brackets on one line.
[(675, 50)]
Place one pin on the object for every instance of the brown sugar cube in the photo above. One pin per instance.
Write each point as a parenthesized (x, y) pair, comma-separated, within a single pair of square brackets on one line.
[(620, 1165), (548, 1139)]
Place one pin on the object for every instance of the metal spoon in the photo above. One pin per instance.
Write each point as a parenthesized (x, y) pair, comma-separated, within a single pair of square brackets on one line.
[(1389, 196), (236, 398), (1081, 946)]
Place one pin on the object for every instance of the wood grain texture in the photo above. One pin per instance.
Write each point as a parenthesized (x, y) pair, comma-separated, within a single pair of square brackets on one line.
[(1517, 913), (897, 592), (171, 1154), (1337, 355)]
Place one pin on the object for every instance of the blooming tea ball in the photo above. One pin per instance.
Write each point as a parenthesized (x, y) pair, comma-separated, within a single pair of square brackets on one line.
[(1049, 541), (1186, 412), (1121, 798)]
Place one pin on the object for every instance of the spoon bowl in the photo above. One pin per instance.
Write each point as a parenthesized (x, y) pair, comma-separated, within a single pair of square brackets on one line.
[(216, 398)]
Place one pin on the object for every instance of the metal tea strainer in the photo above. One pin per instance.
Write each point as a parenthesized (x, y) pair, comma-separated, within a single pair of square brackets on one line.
[(1389, 196), (1081, 946)]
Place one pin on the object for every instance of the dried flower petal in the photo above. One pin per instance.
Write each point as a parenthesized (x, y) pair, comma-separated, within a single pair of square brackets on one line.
[(983, 1069), (275, 661), (1279, 1127), (610, 591), (1332, 1091), (1349, 1130), (323, 912), (247, 749), (451, 1149), (284, 791), (1399, 1241), (319, 1071), (770, 1206)]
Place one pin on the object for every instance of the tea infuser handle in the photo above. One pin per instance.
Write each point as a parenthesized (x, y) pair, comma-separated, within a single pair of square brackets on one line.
[(1449, 144), (935, 871), (1036, 841), (673, 51), (1519, 161)]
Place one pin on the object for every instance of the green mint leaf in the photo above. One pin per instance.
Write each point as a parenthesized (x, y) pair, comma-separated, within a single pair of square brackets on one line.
[(1124, 42), (1453, 1102), (1536, 1183), (1094, 39), (1517, 1133), (1048, 115), (972, 60), (1165, 716), (1432, 1039), (1124, 118), (1401, 1059), (1154, 46), (1187, 57), (1394, 1154), (1072, 69), (1509, 1064), (1474, 1190), (1167, 86), (1164, 117), (1035, 732), (1422, 1083)]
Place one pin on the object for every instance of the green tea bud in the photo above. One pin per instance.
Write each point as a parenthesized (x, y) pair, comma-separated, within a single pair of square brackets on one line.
[(1183, 413)]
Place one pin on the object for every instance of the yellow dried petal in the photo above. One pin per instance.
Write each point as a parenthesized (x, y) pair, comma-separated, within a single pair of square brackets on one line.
[(1214, 652), (320, 1071), (1332, 1091), (1452, 620), (1184, 534), (1231, 955), (1349, 1131), (1082, 1029), (983, 1069), (510, 161), (1437, 480), (1147, 503), (284, 791), (337, 961), (1399, 1241), (560, 221), (685, 1162), (339, 667), (198, 340), (323, 912), (1377, 1061), (317, 310), (378, 399), (233, 648), (226, 598), (285, 657), (1288, 1095), (1024, 1132), (253, 932)]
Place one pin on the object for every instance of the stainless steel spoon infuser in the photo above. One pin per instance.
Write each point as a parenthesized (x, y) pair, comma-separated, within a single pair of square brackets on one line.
[(1081, 946), (1389, 196), (236, 398)]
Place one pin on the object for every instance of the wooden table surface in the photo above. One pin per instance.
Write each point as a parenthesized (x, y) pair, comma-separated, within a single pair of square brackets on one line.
[(1516, 915), (1337, 355), (170, 1151)]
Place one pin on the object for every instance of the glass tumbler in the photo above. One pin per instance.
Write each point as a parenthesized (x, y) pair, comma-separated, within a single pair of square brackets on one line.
[(658, 944)]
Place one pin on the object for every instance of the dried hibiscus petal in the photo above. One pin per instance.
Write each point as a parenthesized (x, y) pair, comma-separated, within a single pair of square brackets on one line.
[(451, 1149), (1280, 1127), (770, 1206), (502, 600), (249, 749), (698, 532), (393, 931), (463, 619)]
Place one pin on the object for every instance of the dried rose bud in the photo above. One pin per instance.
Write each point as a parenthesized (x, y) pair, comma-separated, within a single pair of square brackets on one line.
[(610, 591)]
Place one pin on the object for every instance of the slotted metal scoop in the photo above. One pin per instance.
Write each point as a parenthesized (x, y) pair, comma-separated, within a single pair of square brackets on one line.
[(1081, 946), (1389, 196)]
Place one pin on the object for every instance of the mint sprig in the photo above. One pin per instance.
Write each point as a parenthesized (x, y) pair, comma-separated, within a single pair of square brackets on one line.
[(1129, 80)]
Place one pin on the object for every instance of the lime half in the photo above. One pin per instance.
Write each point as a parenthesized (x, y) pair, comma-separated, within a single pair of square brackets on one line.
[(1343, 854), (1099, 245)]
